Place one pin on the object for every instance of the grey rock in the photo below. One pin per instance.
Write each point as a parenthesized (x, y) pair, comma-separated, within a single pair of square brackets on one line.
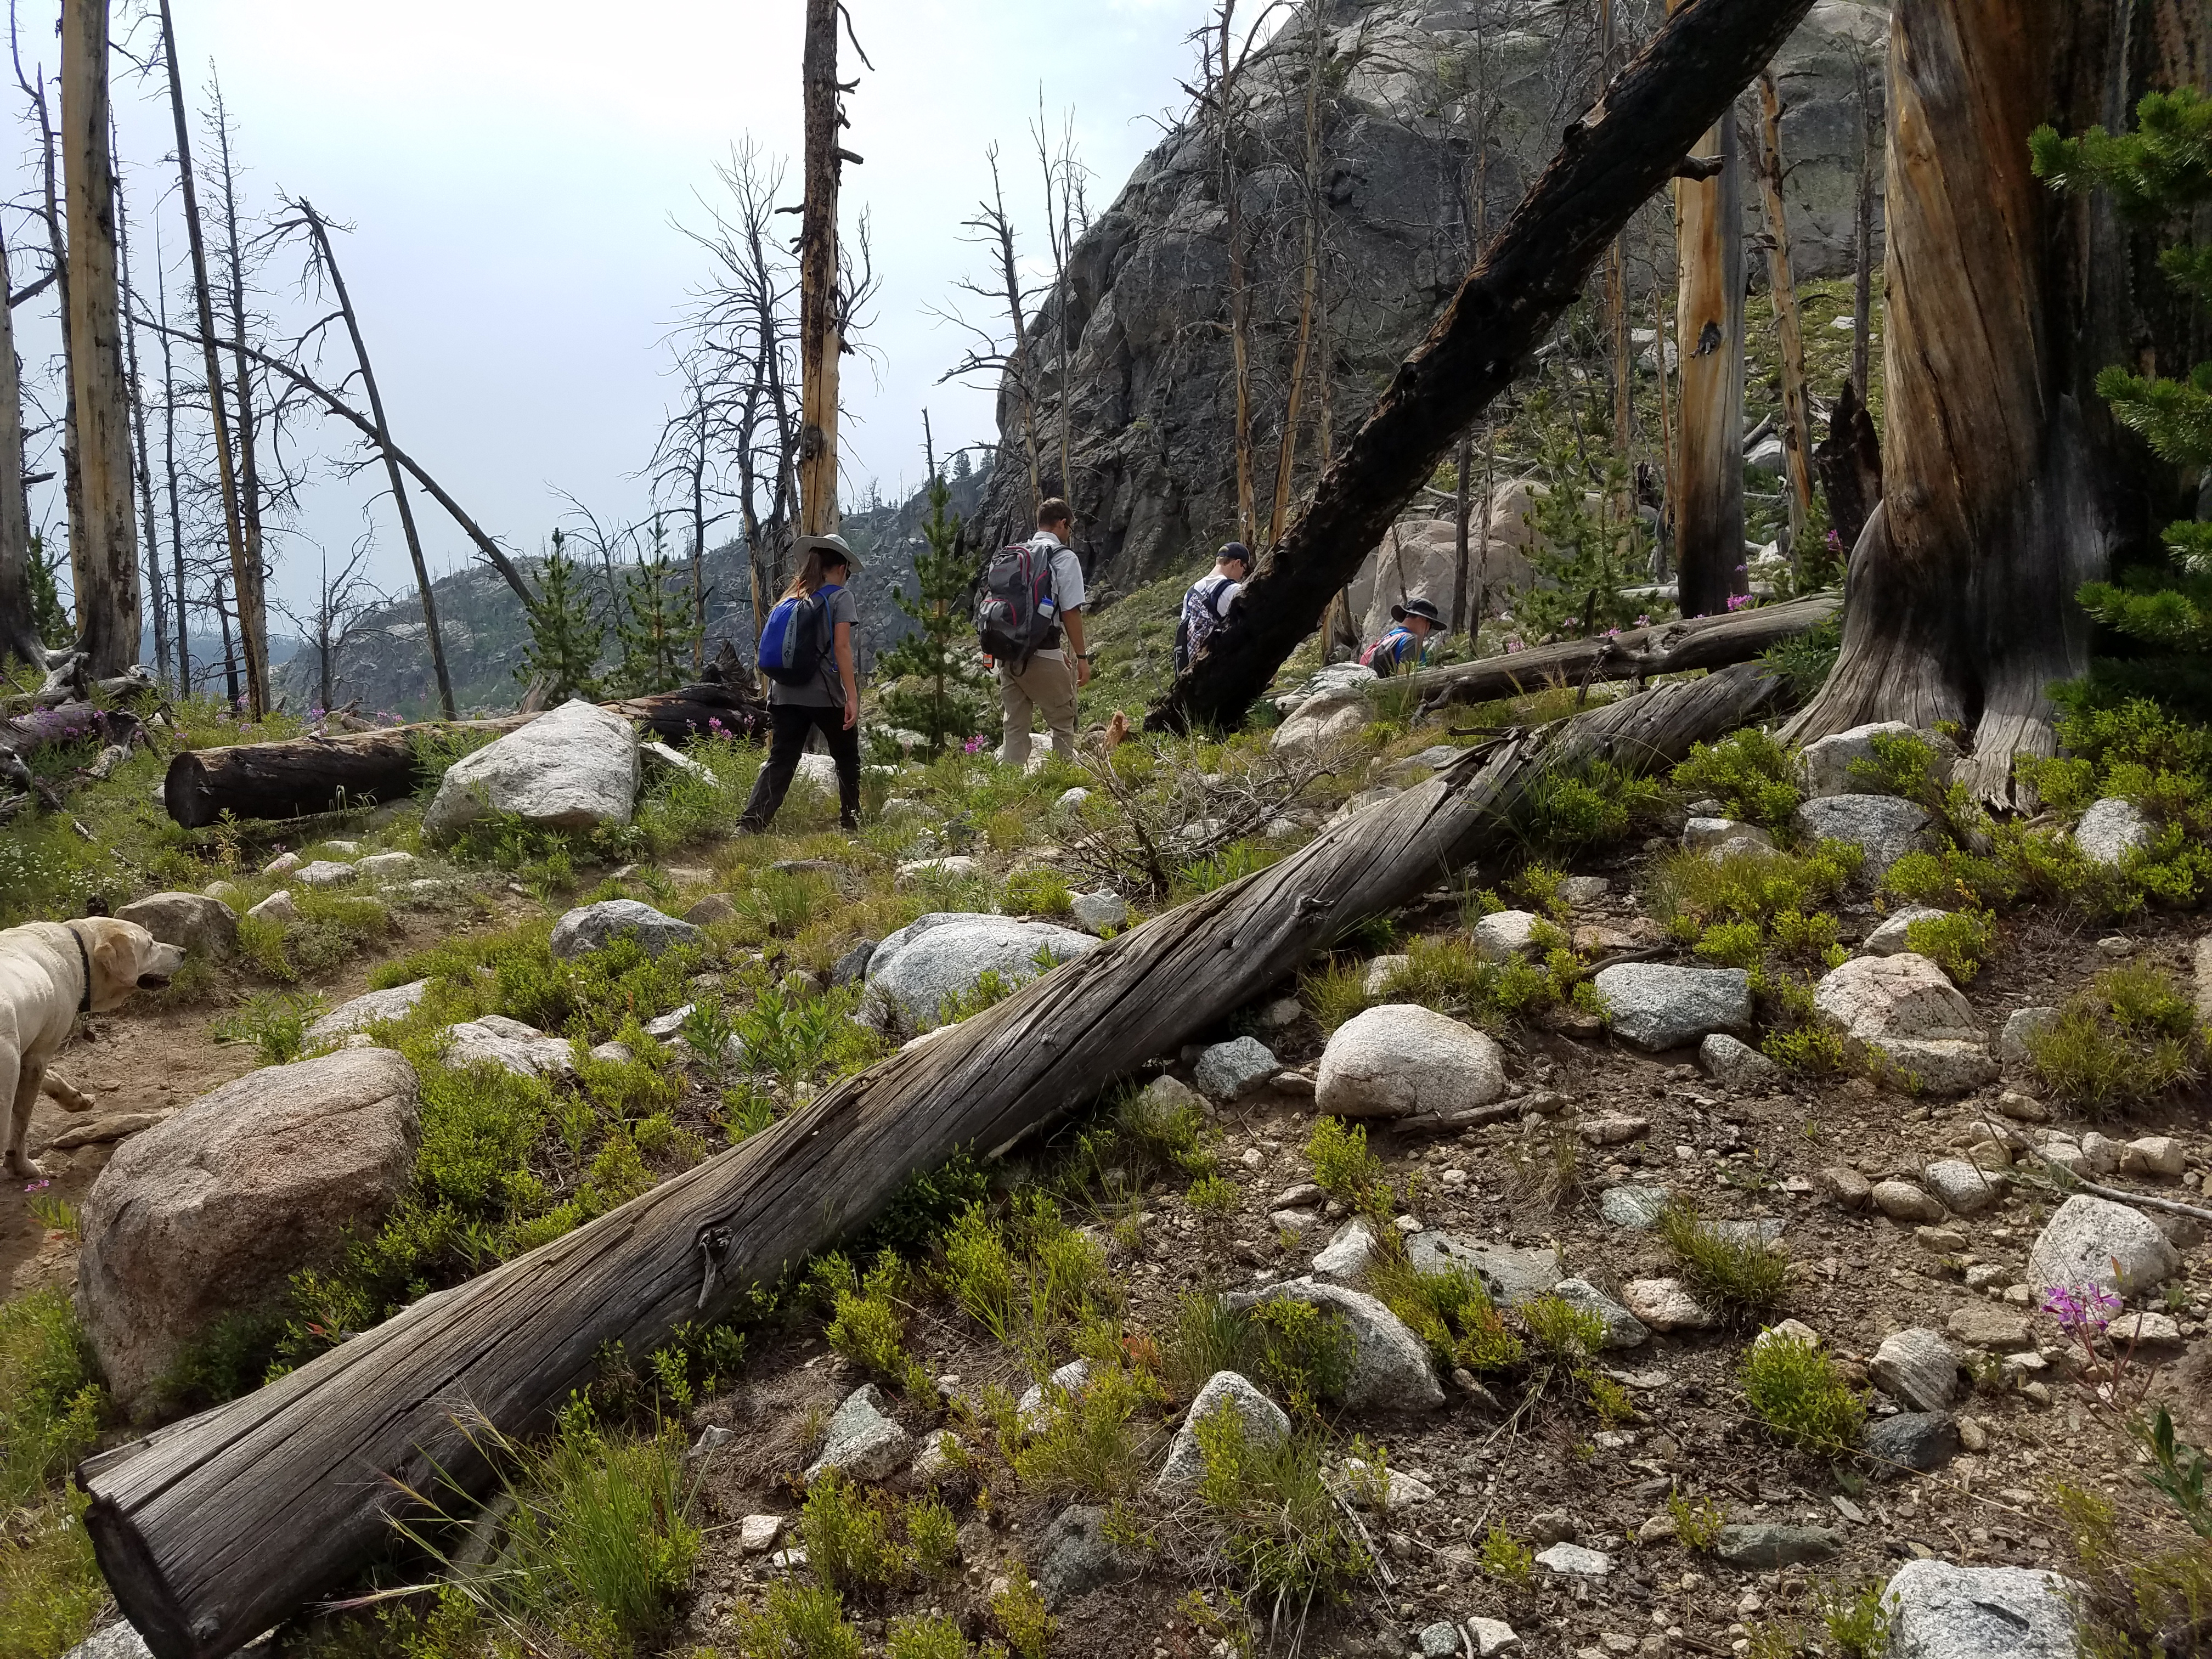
[(2094, 1241), (1402, 1059), (382, 866), (1636, 1208), (1390, 1369), (1826, 764), (1100, 910), (1581, 890), (1964, 1189), (1076, 1557), (326, 872), (1441, 1640), (1665, 1304), (864, 1442), (594, 926), (1900, 1201), (1069, 800), (1905, 1009), (572, 768), (1921, 1441), (1888, 939), (1574, 1561), (1917, 1369), (364, 1010), (1984, 1325), (957, 866), (1511, 1276), (1493, 1637), (1939, 1611), (944, 953), (210, 1213), (1505, 935), (198, 924), (942, 1451), (1656, 1006), (1720, 838), (1351, 1252), (1321, 724), (1725, 1060), (119, 1640), (280, 907), (853, 966), (1623, 1329), (1265, 1425), (2019, 1025), (1229, 1071), (612, 1054), (496, 1040), (658, 757), (1771, 1544), (1375, 980), (1041, 1400), (715, 908), (2111, 830), (1168, 1094), (1883, 826)]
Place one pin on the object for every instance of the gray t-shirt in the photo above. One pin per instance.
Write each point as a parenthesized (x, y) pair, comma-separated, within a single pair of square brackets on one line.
[(827, 690)]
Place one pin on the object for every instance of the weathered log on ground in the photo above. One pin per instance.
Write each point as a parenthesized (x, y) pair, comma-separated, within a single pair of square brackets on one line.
[(303, 776), (1673, 647), (213, 1529), (1608, 164)]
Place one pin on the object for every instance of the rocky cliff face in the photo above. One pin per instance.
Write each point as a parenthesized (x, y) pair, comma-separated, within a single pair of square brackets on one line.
[(387, 665), (1435, 116)]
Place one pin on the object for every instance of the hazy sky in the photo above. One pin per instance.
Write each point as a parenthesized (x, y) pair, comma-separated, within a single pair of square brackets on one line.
[(513, 169)]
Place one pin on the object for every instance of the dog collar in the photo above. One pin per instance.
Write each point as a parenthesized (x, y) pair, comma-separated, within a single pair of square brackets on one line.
[(84, 957)]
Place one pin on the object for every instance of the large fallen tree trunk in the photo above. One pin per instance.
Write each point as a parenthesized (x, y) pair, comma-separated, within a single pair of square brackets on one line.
[(213, 1529), (1609, 163), (1672, 647), (303, 776)]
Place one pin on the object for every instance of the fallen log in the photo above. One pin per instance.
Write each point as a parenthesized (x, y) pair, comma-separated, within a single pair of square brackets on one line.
[(1608, 164), (299, 776), (213, 1528), (1671, 648)]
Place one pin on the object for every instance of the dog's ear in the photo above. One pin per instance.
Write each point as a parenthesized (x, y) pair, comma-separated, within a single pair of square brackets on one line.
[(121, 953)]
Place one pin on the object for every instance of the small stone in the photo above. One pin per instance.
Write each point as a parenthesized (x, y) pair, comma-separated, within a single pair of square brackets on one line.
[(1505, 935), (1789, 1330), (1551, 1526), (1768, 1544), (1718, 837), (2116, 945), (280, 908), (2152, 1155), (1939, 1611), (1963, 1188), (282, 865), (1264, 1422), (1401, 1059), (1400, 1490), (1101, 911), (1920, 1441), (957, 867), (756, 1534), (942, 1451), (1665, 1304), (1725, 1060), (1380, 971), (1439, 1641), (1511, 1276), (591, 928), (1634, 1208), (1979, 1325), (1655, 1005), (1885, 827), (1900, 1201), (1492, 1637), (864, 1442), (1078, 1556), (2094, 1240), (2111, 830), (2013, 1056), (1229, 1071), (383, 864), (714, 909), (2145, 1329), (1613, 1131), (1283, 1011), (324, 872), (1942, 1241), (1847, 1187), (1622, 1328), (1580, 890), (1889, 937), (1351, 1252), (2101, 1152), (1040, 1400), (612, 1054), (1574, 1561), (1972, 1436), (1982, 1275), (1917, 1369)]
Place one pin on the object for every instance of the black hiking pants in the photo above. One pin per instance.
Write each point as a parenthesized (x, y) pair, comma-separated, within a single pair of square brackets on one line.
[(789, 723)]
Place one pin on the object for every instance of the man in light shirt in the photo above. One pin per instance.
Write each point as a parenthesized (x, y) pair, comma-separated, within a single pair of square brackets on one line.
[(1049, 679)]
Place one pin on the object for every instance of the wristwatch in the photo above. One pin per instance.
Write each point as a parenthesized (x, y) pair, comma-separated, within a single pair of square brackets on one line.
[(1082, 656)]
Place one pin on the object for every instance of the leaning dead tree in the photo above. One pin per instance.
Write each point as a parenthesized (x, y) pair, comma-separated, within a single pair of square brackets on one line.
[(108, 565), (1621, 150), (2006, 483), (213, 1529)]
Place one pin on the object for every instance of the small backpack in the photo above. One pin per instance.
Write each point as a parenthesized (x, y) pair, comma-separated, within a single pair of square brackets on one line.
[(796, 642), (1385, 662), (1016, 608), (1187, 640)]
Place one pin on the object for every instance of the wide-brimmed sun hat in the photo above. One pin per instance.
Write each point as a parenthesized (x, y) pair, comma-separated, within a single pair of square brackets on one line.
[(1420, 608), (833, 544)]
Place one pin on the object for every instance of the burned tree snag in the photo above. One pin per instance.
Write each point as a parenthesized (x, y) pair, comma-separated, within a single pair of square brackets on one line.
[(1782, 282), (1612, 160), (820, 340), (1708, 319)]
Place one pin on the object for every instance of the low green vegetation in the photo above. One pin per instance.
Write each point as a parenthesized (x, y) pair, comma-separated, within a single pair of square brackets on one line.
[(1280, 1526), (50, 1412), (1749, 772), (2127, 1037), (1730, 1269), (1801, 1394), (1958, 943)]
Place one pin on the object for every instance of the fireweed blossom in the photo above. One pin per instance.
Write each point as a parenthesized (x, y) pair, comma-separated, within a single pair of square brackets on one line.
[(2081, 1310)]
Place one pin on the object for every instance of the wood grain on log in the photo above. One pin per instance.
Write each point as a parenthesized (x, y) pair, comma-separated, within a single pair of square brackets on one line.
[(1608, 164), (303, 776), (213, 1529)]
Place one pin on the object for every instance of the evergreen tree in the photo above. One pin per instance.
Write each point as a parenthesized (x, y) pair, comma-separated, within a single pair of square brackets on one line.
[(1582, 556), (655, 627), (565, 637), (2158, 174), (49, 616), (937, 671)]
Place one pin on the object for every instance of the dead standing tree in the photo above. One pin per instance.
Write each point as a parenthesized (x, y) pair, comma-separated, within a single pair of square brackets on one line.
[(1709, 321), (687, 459), (245, 575), (822, 307), (1004, 360), (1790, 329), (323, 265), (253, 603), (107, 566), (19, 637), (157, 590), (1611, 159), (2007, 483), (33, 83), (344, 604)]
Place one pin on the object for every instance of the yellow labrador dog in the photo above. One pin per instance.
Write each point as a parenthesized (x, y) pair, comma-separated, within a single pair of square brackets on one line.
[(50, 973)]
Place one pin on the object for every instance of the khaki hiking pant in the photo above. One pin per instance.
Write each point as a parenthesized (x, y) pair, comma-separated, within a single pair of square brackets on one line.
[(1049, 684)]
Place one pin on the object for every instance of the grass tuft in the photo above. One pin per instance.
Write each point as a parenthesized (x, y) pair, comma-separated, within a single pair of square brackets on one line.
[(1801, 1394), (1739, 1278)]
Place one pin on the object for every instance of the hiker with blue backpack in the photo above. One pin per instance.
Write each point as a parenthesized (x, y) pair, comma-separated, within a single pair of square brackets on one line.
[(806, 656), (1402, 649), (1031, 592), (1205, 603)]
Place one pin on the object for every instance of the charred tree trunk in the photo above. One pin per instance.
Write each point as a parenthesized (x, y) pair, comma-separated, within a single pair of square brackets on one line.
[(1461, 509), (819, 343), (1782, 282), (253, 602), (18, 638), (2007, 483), (1709, 317), (1611, 160), (213, 1529), (241, 568), (107, 567), (141, 462), (1848, 462), (324, 251)]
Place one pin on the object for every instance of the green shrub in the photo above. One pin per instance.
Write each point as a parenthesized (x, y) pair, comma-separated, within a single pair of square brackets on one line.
[(275, 1021), (848, 1536), (1691, 892), (1281, 1526), (1093, 1440), (1507, 1559), (1857, 1623), (1749, 772), (1957, 943), (1019, 1612), (868, 1329), (1799, 1394), (1334, 992), (1565, 812), (49, 1405), (932, 1537), (798, 1622), (1450, 1311), (2126, 1037), (1697, 1522), (1732, 1272), (1344, 1168), (1808, 1050), (928, 1636), (1038, 893)]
